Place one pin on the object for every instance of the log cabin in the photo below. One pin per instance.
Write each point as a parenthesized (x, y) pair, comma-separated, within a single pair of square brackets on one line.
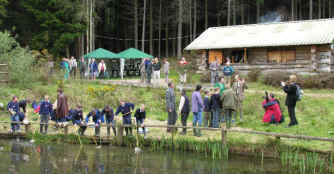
[(303, 47)]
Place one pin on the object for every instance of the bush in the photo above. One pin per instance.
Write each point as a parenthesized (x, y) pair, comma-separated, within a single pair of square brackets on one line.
[(320, 81), (253, 76), (19, 59), (205, 77)]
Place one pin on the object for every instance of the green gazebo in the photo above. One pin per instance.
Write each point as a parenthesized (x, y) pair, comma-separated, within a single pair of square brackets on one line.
[(101, 54), (133, 53)]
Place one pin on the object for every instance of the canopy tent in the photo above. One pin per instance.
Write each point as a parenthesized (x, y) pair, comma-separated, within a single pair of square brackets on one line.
[(133, 53), (101, 54)]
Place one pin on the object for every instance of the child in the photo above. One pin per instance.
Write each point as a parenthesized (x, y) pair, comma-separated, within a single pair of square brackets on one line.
[(97, 119), (108, 112), (140, 115), (273, 112), (45, 113), (77, 119), (126, 110), (215, 106), (207, 110), (13, 109), (184, 109)]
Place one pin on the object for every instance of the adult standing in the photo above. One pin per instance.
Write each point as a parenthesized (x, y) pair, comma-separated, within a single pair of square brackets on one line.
[(183, 73), (197, 107), (62, 106), (83, 66), (156, 69), (142, 71), (184, 109), (102, 68), (291, 99), (66, 67), (74, 66), (171, 106), (166, 69), (50, 66), (228, 100), (215, 105), (220, 85), (239, 87), (148, 70), (93, 69), (213, 70), (228, 72)]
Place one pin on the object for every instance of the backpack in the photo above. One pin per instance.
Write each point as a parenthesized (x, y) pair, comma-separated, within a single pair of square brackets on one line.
[(299, 93)]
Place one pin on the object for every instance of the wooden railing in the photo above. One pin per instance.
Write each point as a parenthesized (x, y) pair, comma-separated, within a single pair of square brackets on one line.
[(223, 131)]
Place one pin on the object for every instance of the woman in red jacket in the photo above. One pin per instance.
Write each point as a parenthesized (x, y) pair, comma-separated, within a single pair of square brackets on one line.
[(273, 112)]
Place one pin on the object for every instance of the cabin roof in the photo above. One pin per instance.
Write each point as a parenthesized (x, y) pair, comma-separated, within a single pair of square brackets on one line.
[(307, 32)]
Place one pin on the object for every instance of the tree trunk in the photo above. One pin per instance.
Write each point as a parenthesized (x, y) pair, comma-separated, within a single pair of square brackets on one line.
[(258, 11), (151, 27), (195, 20), (136, 23), (206, 13), (143, 30), (292, 10), (234, 12), (242, 6), (190, 21), (319, 9), (330, 8), (300, 10), (166, 37), (179, 38), (160, 13), (88, 26), (311, 9), (229, 13)]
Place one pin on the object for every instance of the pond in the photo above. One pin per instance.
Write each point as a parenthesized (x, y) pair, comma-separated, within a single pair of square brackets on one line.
[(18, 156)]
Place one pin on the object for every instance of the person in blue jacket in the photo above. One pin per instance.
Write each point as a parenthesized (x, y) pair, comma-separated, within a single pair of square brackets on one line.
[(13, 109), (126, 110), (108, 114), (45, 113), (140, 115), (97, 119), (228, 72), (77, 119)]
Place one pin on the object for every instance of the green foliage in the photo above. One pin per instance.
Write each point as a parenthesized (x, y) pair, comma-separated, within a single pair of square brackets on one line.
[(19, 59), (3, 11), (57, 28), (253, 76)]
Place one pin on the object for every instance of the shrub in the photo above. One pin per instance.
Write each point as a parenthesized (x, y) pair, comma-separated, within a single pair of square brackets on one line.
[(205, 77), (274, 78), (253, 76), (19, 59)]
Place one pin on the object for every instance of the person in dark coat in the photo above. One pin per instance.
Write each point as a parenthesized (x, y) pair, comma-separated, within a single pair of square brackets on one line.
[(148, 70), (215, 105), (126, 110), (140, 115), (171, 105), (207, 110), (291, 99), (62, 106), (45, 113), (13, 109), (108, 113), (23, 105), (77, 119), (97, 119), (184, 109)]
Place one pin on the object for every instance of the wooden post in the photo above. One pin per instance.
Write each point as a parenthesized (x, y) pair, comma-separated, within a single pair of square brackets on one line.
[(333, 147), (245, 55), (27, 128), (120, 131), (66, 129), (224, 136)]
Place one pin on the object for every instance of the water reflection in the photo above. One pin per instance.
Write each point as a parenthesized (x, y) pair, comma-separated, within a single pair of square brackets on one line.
[(23, 157)]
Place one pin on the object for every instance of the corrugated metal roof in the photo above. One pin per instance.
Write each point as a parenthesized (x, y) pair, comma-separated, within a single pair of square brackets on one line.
[(307, 32)]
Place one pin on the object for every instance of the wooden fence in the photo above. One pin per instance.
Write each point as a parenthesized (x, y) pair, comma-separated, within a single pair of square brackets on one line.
[(4, 73), (223, 131)]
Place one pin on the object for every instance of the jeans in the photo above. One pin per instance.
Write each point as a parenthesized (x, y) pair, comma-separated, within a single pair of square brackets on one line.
[(213, 76), (148, 77), (184, 118), (172, 117), (44, 123), (216, 116), (292, 115), (15, 126), (111, 123), (140, 122), (197, 121), (228, 116), (207, 119), (127, 121)]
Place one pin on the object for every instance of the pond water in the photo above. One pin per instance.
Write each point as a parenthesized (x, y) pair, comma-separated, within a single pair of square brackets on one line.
[(24, 157)]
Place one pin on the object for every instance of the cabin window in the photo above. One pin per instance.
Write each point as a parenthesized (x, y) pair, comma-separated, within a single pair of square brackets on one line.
[(238, 56), (281, 55)]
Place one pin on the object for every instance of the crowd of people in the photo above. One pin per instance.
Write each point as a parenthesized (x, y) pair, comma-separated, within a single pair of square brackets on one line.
[(150, 69), (222, 102)]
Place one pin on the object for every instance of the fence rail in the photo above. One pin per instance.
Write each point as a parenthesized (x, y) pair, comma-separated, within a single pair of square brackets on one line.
[(223, 131)]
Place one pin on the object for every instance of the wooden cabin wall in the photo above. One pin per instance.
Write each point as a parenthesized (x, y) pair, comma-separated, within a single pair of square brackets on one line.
[(303, 54), (257, 55)]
